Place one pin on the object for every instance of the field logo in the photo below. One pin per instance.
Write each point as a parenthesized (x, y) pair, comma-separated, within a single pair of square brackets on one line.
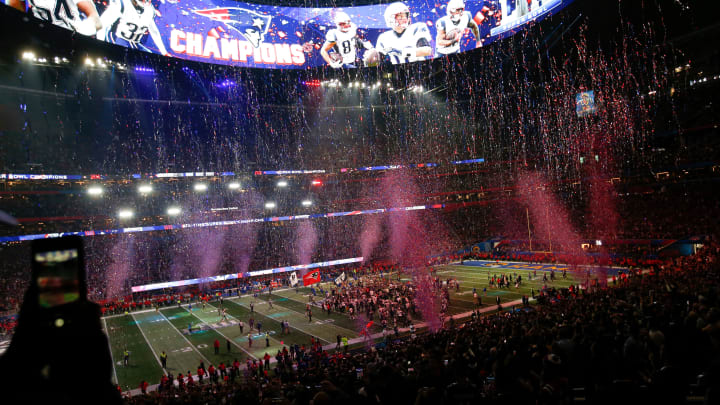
[(251, 25)]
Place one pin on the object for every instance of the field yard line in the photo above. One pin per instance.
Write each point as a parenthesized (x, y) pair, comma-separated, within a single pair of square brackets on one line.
[(186, 339), (277, 340), (292, 310), (220, 333), (134, 312), (295, 327), (107, 333), (148, 342)]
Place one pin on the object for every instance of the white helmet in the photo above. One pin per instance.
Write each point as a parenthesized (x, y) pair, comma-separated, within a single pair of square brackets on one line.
[(393, 10), (342, 21), (453, 7)]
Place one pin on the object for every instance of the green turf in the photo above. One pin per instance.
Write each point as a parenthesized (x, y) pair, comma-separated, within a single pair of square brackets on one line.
[(163, 336), (201, 340), (319, 327), (167, 330), (124, 333), (270, 325), (297, 302)]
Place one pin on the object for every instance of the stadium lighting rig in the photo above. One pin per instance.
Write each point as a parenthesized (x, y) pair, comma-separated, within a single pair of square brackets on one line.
[(270, 205), (95, 191), (145, 189), (306, 203), (125, 214), (174, 211), (356, 84), (199, 187), (234, 185), (282, 183)]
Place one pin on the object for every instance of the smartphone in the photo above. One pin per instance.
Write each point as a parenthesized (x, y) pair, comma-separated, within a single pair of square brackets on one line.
[(58, 271)]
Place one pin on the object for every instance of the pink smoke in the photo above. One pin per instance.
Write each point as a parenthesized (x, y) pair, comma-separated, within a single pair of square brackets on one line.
[(548, 215), (305, 241), (120, 268), (370, 235)]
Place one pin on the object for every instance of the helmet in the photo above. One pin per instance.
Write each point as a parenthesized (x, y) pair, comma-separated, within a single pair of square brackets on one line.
[(140, 4), (342, 21), (392, 11), (455, 9)]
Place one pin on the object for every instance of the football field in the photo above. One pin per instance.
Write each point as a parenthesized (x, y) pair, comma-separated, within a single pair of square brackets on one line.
[(187, 334)]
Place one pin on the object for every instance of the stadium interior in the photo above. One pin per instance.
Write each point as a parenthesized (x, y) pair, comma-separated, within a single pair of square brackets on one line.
[(475, 237)]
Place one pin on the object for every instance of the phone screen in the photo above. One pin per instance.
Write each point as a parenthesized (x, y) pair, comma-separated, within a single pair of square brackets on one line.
[(57, 277)]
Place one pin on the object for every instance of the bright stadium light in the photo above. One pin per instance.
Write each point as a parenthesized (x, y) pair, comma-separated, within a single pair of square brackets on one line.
[(200, 187), (234, 185), (269, 205), (145, 189), (173, 211), (125, 214), (95, 190), (282, 183), (306, 203)]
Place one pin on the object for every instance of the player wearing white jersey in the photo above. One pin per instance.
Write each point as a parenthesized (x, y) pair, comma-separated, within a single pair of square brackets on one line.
[(127, 22), (405, 42), (456, 21), (66, 13), (344, 41)]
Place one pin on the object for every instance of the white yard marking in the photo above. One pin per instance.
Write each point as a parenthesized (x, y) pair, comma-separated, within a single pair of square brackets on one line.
[(305, 316), (222, 334), (295, 327), (148, 343), (186, 339), (107, 334)]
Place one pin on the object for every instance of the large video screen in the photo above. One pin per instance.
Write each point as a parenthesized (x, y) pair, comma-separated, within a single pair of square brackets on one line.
[(253, 35)]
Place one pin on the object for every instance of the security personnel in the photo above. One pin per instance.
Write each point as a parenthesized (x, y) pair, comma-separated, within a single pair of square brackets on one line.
[(163, 359), (126, 357)]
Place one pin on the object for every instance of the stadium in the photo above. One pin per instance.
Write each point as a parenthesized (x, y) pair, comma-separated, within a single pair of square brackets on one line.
[(353, 201)]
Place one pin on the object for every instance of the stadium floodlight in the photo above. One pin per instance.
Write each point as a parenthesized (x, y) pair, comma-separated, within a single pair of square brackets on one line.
[(269, 205), (234, 185), (125, 214), (306, 203), (145, 189), (282, 183), (89, 62), (200, 187), (173, 211), (28, 55), (95, 190)]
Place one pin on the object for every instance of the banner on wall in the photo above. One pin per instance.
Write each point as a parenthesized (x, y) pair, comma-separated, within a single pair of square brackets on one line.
[(254, 35)]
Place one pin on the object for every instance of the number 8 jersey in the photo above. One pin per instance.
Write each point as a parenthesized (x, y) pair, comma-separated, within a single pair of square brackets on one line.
[(345, 43)]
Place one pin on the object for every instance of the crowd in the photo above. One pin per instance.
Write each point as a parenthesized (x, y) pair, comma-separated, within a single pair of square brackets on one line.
[(652, 337)]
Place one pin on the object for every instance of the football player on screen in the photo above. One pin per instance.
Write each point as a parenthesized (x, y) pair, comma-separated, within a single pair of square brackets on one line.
[(405, 42), (451, 28), (343, 41), (127, 22), (67, 14)]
